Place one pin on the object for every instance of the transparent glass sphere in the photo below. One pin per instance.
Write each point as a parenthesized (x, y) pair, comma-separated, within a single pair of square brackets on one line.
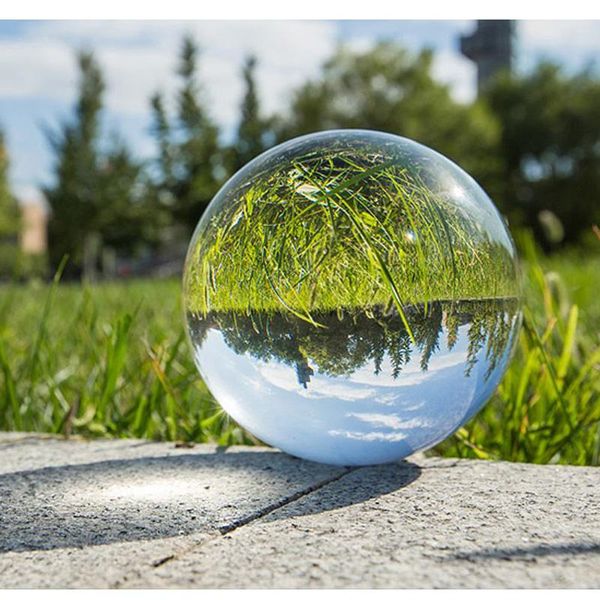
[(351, 297)]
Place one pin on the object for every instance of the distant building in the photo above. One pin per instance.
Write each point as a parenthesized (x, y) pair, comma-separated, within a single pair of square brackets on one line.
[(490, 47), (33, 239)]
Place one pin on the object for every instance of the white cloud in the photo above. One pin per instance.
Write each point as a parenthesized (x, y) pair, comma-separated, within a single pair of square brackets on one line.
[(391, 421), (573, 43), (36, 68), (139, 58), (369, 436), (458, 72), (360, 44), (565, 35)]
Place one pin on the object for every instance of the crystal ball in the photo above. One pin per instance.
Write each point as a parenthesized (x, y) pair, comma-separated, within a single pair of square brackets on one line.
[(351, 297)]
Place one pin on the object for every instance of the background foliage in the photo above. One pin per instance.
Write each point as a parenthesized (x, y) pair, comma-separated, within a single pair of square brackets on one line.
[(531, 140)]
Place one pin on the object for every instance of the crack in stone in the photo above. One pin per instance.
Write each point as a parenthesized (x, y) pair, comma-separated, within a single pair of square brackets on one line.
[(280, 503), (226, 529)]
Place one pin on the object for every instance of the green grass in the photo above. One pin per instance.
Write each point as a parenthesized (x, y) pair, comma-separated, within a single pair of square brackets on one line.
[(112, 360), (105, 360)]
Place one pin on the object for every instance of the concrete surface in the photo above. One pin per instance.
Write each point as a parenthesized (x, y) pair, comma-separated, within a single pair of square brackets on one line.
[(131, 513)]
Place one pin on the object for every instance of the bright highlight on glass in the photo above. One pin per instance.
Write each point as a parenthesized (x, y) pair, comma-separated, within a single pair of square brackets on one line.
[(351, 297)]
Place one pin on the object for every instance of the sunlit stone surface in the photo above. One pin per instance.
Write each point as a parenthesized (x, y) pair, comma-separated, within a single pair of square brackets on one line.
[(351, 297)]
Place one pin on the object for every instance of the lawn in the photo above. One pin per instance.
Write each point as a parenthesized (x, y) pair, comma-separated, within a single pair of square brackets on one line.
[(112, 360)]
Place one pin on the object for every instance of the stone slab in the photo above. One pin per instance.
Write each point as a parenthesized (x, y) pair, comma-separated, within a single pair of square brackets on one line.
[(428, 523), (138, 514), (89, 514)]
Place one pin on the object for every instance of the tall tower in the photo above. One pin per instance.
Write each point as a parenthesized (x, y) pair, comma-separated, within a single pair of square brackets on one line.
[(490, 47)]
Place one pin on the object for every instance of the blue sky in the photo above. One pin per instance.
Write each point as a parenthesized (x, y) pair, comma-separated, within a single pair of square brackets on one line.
[(38, 76)]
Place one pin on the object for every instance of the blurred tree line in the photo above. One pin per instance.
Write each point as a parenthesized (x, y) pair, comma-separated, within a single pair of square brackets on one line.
[(532, 141)]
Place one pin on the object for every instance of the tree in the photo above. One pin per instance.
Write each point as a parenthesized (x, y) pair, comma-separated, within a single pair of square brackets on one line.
[(550, 145), (95, 199), (73, 199), (389, 89), (253, 129), (10, 218), (190, 161), (129, 219)]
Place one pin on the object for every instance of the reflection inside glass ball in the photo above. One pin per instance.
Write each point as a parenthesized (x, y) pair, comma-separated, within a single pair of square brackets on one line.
[(351, 297)]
